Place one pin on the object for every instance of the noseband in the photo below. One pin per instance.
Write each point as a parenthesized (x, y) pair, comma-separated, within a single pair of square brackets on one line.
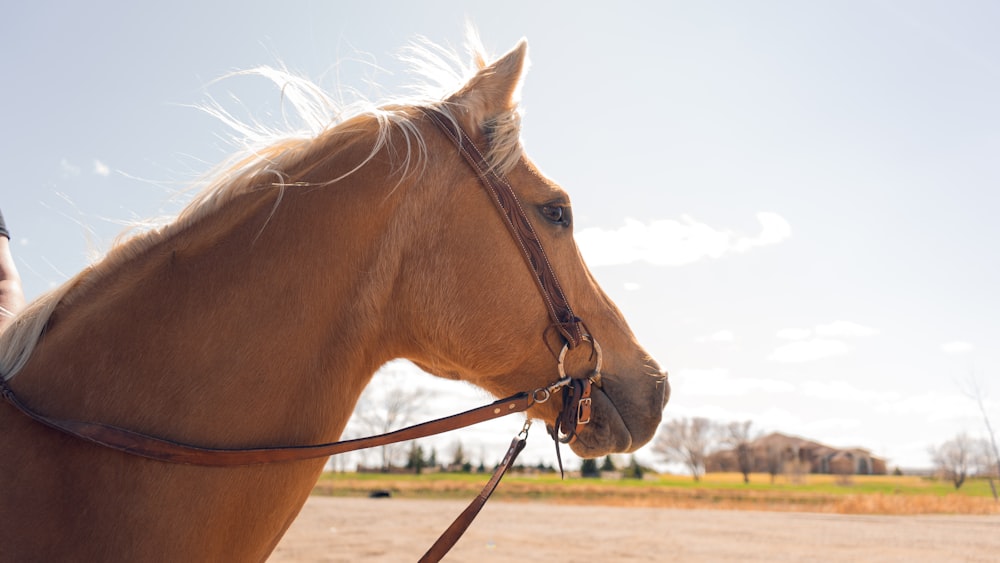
[(575, 412)]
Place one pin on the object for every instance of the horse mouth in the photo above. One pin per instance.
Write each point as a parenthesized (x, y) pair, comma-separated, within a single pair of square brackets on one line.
[(617, 430)]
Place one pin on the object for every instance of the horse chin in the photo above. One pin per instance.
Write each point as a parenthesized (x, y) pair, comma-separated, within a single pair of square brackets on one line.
[(613, 430), (606, 433)]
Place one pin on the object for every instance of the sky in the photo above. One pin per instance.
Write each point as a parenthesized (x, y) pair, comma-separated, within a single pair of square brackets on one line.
[(791, 202)]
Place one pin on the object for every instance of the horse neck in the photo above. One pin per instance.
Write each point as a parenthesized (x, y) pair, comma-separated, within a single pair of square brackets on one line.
[(255, 325)]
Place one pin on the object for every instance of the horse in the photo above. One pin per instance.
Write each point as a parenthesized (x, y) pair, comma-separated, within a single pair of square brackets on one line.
[(260, 313)]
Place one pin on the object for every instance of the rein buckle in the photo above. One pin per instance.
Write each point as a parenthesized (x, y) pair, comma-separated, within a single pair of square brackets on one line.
[(583, 411)]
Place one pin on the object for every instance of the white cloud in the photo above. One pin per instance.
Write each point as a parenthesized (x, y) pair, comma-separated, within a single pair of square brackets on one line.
[(775, 419), (826, 344), (794, 333), (774, 229), (724, 335), (68, 169), (844, 391), (669, 242), (716, 382), (814, 427), (808, 350), (101, 169), (957, 347), (931, 406), (632, 286), (844, 329)]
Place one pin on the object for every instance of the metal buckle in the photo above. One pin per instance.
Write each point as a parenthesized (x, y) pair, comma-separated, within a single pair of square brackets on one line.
[(582, 408), (523, 434), (543, 394)]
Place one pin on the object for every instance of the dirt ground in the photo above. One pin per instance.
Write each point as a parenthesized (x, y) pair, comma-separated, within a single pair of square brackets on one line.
[(362, 529)]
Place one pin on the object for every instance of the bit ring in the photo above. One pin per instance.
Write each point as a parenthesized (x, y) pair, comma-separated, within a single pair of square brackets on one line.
[(595, 376)]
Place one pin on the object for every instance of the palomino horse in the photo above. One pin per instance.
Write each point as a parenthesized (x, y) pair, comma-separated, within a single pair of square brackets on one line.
[(259, 315)]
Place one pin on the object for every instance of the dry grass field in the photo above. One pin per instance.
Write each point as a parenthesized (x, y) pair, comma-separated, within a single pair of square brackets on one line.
[(874, 494)]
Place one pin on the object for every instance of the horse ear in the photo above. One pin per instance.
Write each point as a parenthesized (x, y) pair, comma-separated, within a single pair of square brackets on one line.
[(494, 90)]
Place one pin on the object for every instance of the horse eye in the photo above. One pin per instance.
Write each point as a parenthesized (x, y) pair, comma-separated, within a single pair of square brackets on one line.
[(556, 214)]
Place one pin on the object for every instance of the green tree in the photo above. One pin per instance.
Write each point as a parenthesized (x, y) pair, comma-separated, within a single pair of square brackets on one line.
[(415, 460), (457, 455), (589, 468), (634, 470), (608, 464)]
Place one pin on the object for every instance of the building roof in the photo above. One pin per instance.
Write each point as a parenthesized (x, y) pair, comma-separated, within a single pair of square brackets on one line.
[(785, 441)]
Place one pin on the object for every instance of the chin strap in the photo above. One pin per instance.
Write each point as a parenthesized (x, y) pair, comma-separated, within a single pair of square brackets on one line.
[(576, 410), (575, 413)]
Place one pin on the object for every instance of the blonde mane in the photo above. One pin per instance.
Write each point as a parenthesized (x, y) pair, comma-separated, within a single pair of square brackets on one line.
[(265, 152)]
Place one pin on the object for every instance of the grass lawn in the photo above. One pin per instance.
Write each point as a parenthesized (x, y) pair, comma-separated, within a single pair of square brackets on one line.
[(858, 494)]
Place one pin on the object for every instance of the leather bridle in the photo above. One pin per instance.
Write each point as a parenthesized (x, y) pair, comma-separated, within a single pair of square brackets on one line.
[(575, 412), (576, 399)]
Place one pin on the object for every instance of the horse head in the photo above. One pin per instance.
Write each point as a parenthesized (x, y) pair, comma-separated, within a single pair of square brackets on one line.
[(479, 313)]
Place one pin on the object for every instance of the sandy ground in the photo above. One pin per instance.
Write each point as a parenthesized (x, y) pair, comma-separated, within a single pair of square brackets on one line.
[(362, 529)]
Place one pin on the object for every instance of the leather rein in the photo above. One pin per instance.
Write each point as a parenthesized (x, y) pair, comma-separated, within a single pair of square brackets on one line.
[(575, 413)]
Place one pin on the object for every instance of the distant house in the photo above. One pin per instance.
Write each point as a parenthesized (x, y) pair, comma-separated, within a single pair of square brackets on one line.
[(778, 452)]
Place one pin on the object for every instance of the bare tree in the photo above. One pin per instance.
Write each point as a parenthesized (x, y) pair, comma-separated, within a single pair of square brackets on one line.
[(386, 407), (954, 458), (983, 461), (740, 437), (775, 461), (686, 441), (990, 451)]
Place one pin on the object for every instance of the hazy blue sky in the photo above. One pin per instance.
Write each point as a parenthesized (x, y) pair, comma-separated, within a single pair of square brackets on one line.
[(800, 197)]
